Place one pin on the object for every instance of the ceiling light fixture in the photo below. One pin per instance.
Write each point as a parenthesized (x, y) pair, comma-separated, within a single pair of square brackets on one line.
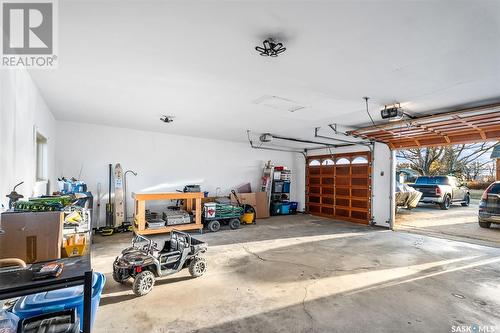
[(271, 48)]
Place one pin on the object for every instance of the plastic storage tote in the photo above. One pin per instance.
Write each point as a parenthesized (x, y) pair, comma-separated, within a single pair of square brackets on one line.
[(278, 187), (285, 208), (66, 321), (59, 300), (293, 207), (276, 208), (286, 187)]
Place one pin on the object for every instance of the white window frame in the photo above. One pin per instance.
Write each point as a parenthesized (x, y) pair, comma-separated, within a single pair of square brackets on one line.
[(41, 157)]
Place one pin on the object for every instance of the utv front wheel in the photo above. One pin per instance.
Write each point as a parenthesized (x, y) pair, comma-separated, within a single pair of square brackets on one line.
[(143, 283), (197, 267), (116, 277)]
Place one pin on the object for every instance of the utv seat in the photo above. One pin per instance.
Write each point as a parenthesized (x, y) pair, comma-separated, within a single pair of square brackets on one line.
[(170, 257), (177, 244), (174, 244)]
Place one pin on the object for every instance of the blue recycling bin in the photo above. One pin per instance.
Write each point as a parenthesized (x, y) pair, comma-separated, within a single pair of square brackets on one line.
[(285, 208), (61, 299)]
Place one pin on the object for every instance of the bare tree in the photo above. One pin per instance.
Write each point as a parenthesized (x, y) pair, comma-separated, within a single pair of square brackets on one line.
[(421, 159), (460, 158), (473, 170), (491, 170), (455, 159)]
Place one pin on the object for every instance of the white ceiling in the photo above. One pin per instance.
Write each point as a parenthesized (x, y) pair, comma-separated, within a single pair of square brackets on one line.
[(125, 63)]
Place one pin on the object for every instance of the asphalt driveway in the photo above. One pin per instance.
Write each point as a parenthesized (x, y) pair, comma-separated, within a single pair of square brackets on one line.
[(459, 223)]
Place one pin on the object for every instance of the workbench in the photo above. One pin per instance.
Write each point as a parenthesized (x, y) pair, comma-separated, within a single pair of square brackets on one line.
[(192, 203)]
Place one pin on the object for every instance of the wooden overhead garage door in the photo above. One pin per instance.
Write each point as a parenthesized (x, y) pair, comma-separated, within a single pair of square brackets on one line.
[(339, 186)]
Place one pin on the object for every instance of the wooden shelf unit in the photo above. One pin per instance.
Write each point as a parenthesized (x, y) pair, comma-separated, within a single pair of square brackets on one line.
[(192, 201)]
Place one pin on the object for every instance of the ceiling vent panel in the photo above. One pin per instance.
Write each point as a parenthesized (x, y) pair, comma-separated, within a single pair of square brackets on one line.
[(279, 103)]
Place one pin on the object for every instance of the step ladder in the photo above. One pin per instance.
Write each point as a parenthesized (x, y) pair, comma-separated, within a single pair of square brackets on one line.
[(267, 180)]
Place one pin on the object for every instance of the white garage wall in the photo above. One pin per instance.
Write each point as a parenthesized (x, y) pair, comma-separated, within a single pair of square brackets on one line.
[(22, 112), (381, 179), (163, 162)]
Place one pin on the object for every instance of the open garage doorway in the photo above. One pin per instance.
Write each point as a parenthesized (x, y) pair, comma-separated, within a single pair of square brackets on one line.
[(439, 189), (448, 159)]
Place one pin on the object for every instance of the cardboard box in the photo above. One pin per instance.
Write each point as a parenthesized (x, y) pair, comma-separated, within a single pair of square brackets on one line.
[(262, 205), (257, 200), (207, 199), (245, 198), (32, 237)]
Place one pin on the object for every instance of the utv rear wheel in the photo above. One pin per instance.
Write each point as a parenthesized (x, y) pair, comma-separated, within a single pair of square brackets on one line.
[(466, 201), (234, 224), (197, 267), (214, 226), (445, 205), (484, 224), (143, 283)]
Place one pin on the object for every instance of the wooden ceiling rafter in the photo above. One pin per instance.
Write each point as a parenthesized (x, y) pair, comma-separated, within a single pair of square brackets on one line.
[(457, 127), (468, 124)]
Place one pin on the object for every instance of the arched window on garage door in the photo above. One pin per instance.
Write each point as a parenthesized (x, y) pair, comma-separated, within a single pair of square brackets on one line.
[(328, 161), (343, 161), (359, 160)]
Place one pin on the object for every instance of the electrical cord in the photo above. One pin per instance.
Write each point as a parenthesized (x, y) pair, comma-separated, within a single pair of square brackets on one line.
[(410, 116)]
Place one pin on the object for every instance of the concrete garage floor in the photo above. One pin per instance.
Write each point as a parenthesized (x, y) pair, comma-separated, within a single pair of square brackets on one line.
[(308, 274), (458, 223)]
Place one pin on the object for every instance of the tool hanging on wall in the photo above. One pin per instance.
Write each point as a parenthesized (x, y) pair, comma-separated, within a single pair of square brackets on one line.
[(97, 216), (120, 224), (127, 218), (115, 208), (118, 202), (108, 229)]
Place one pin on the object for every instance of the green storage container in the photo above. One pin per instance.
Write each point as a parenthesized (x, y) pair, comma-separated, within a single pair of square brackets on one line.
[(276, 208)]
